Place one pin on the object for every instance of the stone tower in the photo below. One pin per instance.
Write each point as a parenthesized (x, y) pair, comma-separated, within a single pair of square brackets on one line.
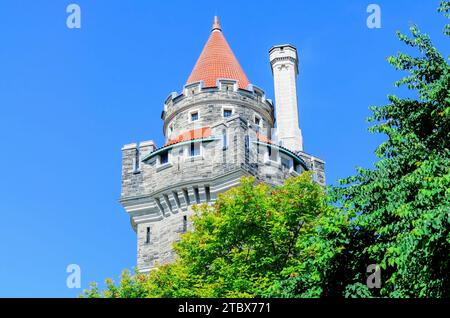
[(217, 130), (284, 62)]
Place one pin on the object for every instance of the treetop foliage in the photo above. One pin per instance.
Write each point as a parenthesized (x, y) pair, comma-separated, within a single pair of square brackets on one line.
[(300, 240)]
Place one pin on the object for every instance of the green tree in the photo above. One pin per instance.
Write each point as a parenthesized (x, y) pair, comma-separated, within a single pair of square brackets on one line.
[(401, 208), (289, 241), (245, 245)]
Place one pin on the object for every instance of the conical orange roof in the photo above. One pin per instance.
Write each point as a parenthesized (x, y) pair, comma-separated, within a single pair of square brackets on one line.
[(217, 61)]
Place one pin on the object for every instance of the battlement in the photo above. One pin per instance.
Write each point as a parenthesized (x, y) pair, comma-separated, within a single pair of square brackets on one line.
[(197, 91), (213, 105)]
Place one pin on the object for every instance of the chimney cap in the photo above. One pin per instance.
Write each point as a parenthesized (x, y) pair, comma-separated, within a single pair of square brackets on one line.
[(281, 46), (281, 51)]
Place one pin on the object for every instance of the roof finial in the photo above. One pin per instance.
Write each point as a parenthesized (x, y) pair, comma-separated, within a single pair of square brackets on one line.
[(216, 24)]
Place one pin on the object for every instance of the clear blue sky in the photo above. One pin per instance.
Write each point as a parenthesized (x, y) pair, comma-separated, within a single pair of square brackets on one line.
[(70, 99)]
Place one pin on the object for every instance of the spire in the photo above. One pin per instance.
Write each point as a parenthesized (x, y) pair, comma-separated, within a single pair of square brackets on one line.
[(216, 24), (217, 61)]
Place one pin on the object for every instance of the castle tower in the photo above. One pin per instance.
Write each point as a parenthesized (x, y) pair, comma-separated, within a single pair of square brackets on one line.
[(217, 130), (284, 62)]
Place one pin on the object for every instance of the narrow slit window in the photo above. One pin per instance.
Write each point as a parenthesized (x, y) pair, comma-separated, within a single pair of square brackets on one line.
[(147, 235), (224, 140), (185, 223), (208, 194), (136, 165)]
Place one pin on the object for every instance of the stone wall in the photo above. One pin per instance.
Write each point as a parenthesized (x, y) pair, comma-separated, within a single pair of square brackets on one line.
[(284, 62), (158, 196), (210, 103)]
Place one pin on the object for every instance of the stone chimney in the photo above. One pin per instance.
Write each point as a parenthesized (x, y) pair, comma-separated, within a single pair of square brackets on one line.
[(284, 62)]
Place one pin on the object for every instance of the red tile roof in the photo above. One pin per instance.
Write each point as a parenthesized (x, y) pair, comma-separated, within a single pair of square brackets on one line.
[(263, 138), (200, 133), (217, 61)]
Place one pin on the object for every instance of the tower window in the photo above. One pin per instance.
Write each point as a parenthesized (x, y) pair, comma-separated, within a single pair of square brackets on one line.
[(147, 235), (136, 166), (227, 87), (227, 112), (286, 163), (224, 140), (185, 223), (195, 149), (164, 158), (247, 148), (257, 120), (208, 193), (194, 116)]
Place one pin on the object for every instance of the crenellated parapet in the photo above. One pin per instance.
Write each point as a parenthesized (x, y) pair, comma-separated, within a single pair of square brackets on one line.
[(212, 104)]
